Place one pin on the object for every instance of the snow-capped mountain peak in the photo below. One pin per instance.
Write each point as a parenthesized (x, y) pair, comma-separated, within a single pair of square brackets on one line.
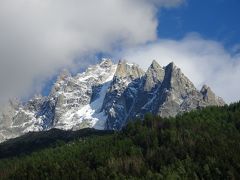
[(106, 96)]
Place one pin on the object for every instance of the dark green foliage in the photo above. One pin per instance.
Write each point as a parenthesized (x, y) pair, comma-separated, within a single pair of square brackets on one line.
[(35, 141), (203, 144)]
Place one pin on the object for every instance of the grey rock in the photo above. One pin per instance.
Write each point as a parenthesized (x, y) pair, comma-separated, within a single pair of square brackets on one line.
[(154, 76), (106, 96), (122, 93)]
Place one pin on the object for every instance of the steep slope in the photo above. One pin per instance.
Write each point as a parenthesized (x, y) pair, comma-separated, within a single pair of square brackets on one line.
[(35, 141), (151, 84), (106, 96), (74, 103), (201, 144), (122, 94), (163, 91), (79, 99)]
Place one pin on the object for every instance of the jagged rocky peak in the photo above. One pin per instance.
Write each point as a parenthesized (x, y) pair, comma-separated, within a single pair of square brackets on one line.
[(82, 93), (178, 94), (171, 67), (210, 97), (106, 96), (35, 103), (155, 65), (105, 63), (64, 76), (120, 97), (153, 76), (128, 70), (176, 79)]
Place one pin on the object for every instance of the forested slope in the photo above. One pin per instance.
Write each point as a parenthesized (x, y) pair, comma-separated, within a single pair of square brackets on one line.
[(202, 144)]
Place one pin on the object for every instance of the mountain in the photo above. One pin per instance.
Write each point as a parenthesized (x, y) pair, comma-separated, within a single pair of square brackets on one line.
[(106, 96)]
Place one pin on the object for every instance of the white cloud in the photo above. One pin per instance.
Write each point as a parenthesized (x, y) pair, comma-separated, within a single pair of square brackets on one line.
[(37, 37), (203, 61)]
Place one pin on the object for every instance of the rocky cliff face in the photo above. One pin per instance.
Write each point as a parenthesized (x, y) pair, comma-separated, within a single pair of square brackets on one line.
[(106, 96)]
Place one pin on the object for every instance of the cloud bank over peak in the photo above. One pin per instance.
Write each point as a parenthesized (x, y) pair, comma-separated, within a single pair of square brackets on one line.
[(203, 61), (38, 37)]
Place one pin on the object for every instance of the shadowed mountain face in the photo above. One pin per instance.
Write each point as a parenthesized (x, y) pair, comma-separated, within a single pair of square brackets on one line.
[(106, 96)]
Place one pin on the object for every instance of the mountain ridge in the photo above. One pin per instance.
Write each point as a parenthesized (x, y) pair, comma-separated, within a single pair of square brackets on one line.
[(106, 96)]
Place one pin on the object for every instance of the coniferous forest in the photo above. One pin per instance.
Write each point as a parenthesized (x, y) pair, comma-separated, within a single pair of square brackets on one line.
[(202, 144)]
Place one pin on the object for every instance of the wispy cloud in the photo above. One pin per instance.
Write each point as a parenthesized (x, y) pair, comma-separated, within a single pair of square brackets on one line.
[(203, 61), (37, 37)]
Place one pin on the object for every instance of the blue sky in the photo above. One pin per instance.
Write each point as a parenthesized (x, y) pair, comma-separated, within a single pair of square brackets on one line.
[(211, 55), (213, 19)]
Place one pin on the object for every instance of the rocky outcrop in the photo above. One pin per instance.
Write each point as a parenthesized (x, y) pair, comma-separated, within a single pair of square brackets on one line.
[(162, 91), (106, 96), (153, 77), (122, 94), (210, 98)]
